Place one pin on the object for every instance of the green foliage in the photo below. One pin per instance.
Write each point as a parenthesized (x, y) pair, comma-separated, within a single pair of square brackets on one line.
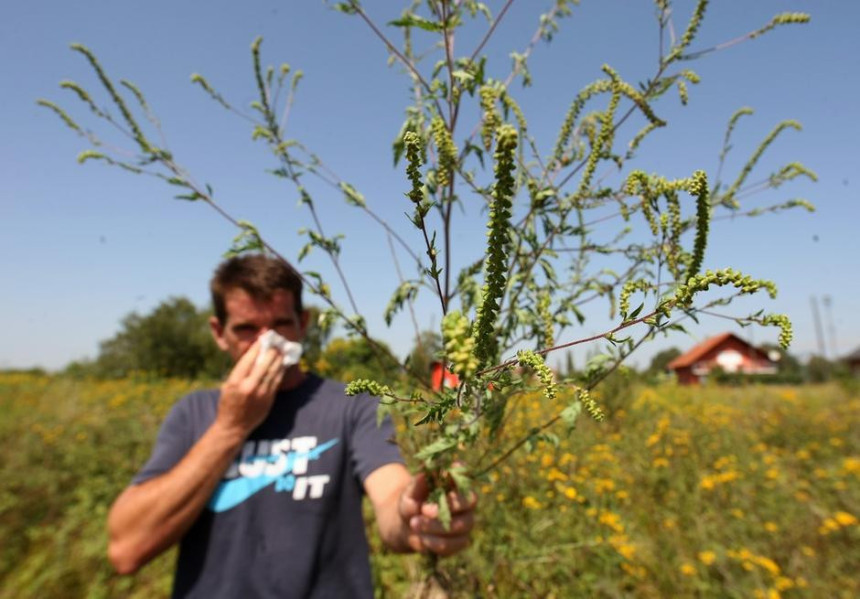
[(535, 362), (820, 370), (486, 348), (459, 344), (425, 351), (661, 360), (171, 341), (600, 512), (317, 334), (348, 359)]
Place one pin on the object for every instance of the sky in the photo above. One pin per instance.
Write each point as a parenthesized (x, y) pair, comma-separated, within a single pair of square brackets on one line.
[(84, 245)]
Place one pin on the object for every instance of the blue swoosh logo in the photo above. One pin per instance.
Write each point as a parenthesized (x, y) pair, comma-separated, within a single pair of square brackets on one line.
[(231, 493)]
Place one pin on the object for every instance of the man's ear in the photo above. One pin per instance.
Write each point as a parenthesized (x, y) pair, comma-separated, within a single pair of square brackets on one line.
[(217, 333)]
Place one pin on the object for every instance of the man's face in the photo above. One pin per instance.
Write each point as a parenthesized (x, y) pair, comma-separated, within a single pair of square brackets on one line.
[(248, 318)]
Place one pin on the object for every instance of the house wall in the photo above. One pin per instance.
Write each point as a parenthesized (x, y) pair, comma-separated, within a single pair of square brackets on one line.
[(747, 360), (750, 361), (686, 376)]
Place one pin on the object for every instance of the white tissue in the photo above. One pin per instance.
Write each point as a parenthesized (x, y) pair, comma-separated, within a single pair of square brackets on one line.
[(291, 350)]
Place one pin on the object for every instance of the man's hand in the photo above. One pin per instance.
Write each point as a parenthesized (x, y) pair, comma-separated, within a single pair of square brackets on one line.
[(148, 518), (425, 532), (248, 393)]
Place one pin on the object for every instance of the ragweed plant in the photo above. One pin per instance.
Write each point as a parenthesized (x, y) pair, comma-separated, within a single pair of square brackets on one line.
[(521, 297)]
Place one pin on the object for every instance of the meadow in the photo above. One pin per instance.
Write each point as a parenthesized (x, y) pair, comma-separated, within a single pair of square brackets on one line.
[(685, 492)]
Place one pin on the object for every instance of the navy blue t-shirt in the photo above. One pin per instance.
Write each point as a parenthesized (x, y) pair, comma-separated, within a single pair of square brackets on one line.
[(285, 521)]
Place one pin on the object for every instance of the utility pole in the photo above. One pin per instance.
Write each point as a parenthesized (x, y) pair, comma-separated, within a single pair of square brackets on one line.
[(831, 329), (819, 333)]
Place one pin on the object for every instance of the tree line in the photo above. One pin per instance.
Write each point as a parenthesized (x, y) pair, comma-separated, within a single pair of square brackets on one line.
[(173, 341)]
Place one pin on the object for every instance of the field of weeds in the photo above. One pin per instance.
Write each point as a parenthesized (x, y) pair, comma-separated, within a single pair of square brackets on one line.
[(695, 492)]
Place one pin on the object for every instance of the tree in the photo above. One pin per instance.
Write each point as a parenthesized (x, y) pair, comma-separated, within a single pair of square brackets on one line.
[(821, 370), (171, 341), (787, 364), (428, 345), (661, 360), (349, 359), (316, 336), (466, 135)]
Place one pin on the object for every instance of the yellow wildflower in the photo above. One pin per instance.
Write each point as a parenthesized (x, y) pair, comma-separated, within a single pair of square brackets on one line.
[(768, 564), (828, 526), (603, 485), (611, 520), (531, 503), (845, 519), (707, 557), (556, 474), (626, 550), (688, 569)]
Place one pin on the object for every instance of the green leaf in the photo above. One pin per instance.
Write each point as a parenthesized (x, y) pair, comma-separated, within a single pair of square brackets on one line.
[(462, 76), (440, 498), (405, 292), (347, 8), (383, 410), (304, 251), (410, 20), (191, 197), (460, 478), (436, 447), (353, 197)]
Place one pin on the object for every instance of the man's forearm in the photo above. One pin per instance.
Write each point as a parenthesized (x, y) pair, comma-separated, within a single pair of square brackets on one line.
[(385, 486), (148, 518)]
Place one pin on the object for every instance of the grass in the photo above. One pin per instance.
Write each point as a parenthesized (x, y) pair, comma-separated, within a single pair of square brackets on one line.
[(696, 492)]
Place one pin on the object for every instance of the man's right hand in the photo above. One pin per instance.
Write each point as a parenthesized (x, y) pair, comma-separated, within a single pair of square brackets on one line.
[(248, 393)]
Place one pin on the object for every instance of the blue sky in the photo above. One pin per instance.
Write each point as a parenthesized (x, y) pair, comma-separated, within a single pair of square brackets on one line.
[(85, 245)]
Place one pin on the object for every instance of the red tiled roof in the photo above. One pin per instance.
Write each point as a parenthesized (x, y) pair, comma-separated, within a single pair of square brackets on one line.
[(700, 350)]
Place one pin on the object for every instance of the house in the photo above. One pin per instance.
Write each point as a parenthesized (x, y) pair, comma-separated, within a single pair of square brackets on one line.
[(727, 351), (853, 361)]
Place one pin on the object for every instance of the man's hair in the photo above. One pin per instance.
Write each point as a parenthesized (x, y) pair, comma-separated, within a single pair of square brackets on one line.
[(258, 275)]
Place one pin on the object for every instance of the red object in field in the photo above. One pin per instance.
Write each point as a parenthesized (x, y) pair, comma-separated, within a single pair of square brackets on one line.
[(438, 378)]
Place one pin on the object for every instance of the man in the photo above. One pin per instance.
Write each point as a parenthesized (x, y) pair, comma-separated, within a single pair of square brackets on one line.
[(261, 480)]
